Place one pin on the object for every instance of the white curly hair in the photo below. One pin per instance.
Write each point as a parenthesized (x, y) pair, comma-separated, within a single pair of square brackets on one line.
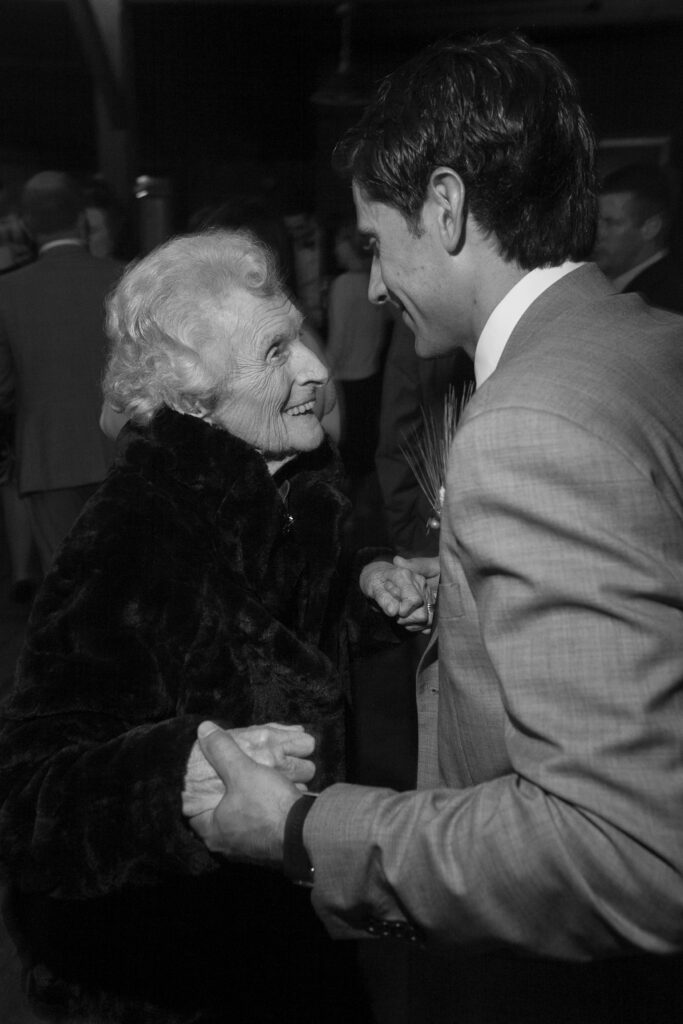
[(164, 310)]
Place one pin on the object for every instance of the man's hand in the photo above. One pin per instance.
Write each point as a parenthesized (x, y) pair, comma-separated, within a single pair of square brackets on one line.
[(248, 823), (401, 590), (283, 747)]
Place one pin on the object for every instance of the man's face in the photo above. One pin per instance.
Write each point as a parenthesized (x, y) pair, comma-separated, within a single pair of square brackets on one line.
[(270, 375), (619, 243), (416, 274)]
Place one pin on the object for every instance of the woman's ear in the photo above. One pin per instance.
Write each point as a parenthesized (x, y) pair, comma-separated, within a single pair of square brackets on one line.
[(447, 192), (190, 407)]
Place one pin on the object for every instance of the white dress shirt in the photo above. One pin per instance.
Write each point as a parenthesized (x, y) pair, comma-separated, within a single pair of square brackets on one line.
[(508, 313)]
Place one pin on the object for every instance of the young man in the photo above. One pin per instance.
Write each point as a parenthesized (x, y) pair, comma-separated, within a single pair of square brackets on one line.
[(546, 827)]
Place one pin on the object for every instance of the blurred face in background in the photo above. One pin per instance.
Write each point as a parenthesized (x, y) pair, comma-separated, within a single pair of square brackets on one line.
[(620, 242), (100, 240)]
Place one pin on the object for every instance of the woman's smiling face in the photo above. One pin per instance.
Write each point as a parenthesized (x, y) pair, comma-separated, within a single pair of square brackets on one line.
[(270, 376)]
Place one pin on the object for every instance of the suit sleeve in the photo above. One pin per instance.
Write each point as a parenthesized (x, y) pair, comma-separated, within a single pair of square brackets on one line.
[(573, 555)]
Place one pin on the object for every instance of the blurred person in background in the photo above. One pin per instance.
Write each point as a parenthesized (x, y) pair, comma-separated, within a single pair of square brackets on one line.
[(357, 337), (635, 217), (52, 354), (105, 218), (15, 251), (15, 245)]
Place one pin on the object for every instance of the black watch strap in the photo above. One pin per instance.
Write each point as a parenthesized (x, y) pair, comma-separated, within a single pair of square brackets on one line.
[(295, 860)]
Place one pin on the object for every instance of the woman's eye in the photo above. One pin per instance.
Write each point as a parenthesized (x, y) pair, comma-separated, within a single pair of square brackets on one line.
[(276, 353)]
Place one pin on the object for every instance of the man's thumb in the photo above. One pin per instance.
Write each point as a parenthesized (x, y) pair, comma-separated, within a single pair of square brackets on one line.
[(206, 728), (220, 750)]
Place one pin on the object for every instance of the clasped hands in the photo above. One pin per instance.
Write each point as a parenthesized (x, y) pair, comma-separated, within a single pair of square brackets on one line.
[(240, 784), (404, 589)]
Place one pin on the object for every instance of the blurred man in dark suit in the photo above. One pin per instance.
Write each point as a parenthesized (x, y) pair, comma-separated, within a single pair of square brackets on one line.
[(635, 207), (52, 350)]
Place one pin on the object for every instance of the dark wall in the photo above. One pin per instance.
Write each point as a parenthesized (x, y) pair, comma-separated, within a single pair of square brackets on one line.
[(223, 92), (631, 77), (223, 96), (46, 107), (219, 87)]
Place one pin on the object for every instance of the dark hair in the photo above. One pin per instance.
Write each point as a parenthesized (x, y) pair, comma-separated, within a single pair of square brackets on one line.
[(649, 186), (505, 116), (51, 201)]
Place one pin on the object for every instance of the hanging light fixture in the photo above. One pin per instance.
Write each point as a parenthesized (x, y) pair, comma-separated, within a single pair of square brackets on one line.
[(345, 87)]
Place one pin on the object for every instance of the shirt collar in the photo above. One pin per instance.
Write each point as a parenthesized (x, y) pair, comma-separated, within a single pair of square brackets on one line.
[(508, 313), (625, 279), (59, 241)]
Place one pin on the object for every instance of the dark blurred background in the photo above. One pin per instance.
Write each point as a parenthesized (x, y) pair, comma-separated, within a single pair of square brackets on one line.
[(221, 97)]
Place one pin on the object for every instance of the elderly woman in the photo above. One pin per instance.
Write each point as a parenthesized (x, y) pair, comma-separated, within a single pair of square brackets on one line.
[(198, 583)]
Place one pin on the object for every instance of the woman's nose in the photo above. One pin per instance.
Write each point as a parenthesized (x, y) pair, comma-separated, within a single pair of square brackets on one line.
[(309, 369)]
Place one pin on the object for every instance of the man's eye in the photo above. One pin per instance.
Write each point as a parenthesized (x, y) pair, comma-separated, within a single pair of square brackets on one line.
[(370, 245)]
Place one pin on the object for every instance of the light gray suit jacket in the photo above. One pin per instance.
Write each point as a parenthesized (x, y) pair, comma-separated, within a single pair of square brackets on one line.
[(549, 816), (52, 355)]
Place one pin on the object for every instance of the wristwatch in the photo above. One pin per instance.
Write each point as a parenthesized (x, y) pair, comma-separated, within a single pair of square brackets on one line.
[(295, 860)]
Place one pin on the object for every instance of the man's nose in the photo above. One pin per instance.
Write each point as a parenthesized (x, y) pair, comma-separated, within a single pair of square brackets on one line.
[(377, 290)]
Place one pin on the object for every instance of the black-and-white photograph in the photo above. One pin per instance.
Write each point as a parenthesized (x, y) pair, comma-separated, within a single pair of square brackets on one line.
[(341, 511)]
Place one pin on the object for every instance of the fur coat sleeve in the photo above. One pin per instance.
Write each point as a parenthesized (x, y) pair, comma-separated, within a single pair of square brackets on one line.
[(186, 590)]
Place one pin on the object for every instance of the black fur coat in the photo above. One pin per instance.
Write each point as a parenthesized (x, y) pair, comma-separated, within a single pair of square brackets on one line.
[(188, 589)]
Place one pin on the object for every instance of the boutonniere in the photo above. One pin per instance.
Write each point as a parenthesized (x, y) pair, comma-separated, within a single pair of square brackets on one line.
[(427, 449)]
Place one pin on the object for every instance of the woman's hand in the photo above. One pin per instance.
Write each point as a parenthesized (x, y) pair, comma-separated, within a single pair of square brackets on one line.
[(283, 747)]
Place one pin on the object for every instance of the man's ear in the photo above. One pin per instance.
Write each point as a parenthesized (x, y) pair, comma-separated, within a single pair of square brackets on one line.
[(652, 227), (447, 191)]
